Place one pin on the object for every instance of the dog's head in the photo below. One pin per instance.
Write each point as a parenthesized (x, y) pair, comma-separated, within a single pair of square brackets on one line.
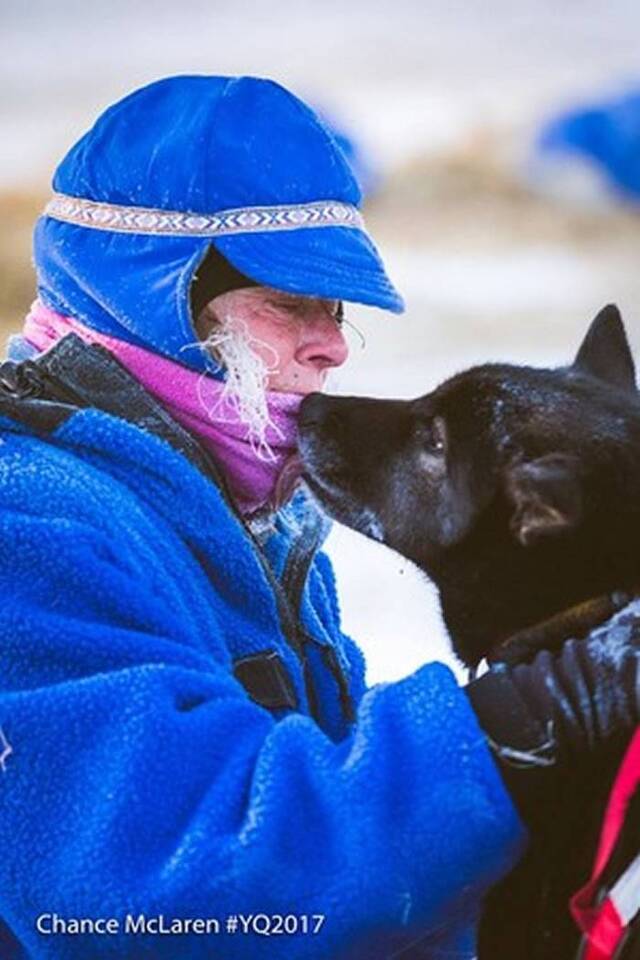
[(496, 483)]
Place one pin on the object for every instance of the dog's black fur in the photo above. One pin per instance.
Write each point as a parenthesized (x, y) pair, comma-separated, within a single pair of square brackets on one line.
[(517, 490)]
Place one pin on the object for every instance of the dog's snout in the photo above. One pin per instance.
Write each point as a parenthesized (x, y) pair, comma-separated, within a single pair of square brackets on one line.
[(311, 410), (317, 410)]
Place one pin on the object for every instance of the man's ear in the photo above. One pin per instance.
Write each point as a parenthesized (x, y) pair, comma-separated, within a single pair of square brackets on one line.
[(605, 351), (547, 497)]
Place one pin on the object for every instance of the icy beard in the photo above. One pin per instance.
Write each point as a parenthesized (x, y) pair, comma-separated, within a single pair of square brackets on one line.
[(244, 389), (252, 430)]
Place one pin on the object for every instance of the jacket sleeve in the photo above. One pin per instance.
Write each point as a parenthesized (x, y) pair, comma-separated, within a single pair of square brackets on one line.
[(137, 777)]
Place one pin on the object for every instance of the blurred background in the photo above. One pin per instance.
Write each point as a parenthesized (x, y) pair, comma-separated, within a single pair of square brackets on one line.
[(499, 146)]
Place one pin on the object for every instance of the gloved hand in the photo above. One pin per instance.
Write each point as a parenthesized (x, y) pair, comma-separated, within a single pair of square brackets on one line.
[(549, 720)]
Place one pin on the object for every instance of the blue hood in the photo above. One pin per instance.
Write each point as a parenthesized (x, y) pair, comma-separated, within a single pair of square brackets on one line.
[(201, 144)]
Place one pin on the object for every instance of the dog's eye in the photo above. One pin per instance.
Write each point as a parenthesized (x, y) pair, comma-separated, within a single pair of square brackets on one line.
[(431, 435)]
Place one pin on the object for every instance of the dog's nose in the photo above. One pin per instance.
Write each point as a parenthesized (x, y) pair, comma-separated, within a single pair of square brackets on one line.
[(314, 410)]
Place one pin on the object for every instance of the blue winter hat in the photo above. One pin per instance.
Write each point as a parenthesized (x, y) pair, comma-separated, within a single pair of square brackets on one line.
[(191, 161)]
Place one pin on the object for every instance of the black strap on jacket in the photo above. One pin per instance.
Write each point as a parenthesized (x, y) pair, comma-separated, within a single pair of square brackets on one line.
[(265, 678)]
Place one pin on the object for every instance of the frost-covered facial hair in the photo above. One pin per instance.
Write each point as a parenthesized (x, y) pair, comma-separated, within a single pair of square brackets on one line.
[(242, 357)]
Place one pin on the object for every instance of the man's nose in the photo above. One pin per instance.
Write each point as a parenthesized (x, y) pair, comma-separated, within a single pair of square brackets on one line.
[(323, 343)]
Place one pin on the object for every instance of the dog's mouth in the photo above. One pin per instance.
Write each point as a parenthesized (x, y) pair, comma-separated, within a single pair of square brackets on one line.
[(344, 508), (332, 493)]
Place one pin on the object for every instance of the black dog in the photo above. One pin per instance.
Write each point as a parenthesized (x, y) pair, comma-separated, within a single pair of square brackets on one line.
[(517, 490)]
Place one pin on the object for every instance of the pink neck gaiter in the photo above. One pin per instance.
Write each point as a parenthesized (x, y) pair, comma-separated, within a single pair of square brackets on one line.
[(196, 401)]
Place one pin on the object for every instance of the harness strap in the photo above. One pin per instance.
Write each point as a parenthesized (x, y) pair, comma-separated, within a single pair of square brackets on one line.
[(605, 920)]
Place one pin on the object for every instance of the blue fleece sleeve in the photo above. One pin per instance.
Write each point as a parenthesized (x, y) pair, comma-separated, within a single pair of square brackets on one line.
[(137, 777)]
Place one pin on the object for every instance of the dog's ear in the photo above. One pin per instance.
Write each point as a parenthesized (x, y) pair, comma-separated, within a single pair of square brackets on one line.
[(605, 351), (546, 496)]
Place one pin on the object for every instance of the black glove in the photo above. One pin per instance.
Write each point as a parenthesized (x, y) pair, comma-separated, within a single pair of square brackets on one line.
[(549, 720)]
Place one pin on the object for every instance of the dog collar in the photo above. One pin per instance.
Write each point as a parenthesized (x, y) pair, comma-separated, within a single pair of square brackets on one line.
[(575, 622)]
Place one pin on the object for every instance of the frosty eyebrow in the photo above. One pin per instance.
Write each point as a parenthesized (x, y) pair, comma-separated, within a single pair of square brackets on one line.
[(295, 303)]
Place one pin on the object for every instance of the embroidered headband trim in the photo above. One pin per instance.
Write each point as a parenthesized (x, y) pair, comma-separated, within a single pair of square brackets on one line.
[(172, 223)]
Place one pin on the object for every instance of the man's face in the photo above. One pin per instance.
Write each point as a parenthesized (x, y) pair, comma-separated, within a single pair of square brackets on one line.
[(298, 338)]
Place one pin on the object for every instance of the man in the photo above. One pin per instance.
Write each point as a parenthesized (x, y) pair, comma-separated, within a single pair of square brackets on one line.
[(186, 732)]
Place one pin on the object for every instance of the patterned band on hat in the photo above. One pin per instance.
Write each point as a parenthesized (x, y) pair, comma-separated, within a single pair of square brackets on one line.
[(170, 223)]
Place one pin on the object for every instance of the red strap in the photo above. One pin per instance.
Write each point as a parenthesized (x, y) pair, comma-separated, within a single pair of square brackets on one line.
[(602, 924), (605, 935), (624, 787)]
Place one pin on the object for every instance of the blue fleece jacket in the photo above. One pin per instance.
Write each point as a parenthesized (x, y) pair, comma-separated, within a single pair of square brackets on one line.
[(140, 778)]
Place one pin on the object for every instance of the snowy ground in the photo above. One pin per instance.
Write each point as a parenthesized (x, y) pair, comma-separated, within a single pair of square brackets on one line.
[(487, 274)]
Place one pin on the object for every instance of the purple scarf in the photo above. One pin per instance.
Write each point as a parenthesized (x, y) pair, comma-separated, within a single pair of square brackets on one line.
[(196, 401)]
